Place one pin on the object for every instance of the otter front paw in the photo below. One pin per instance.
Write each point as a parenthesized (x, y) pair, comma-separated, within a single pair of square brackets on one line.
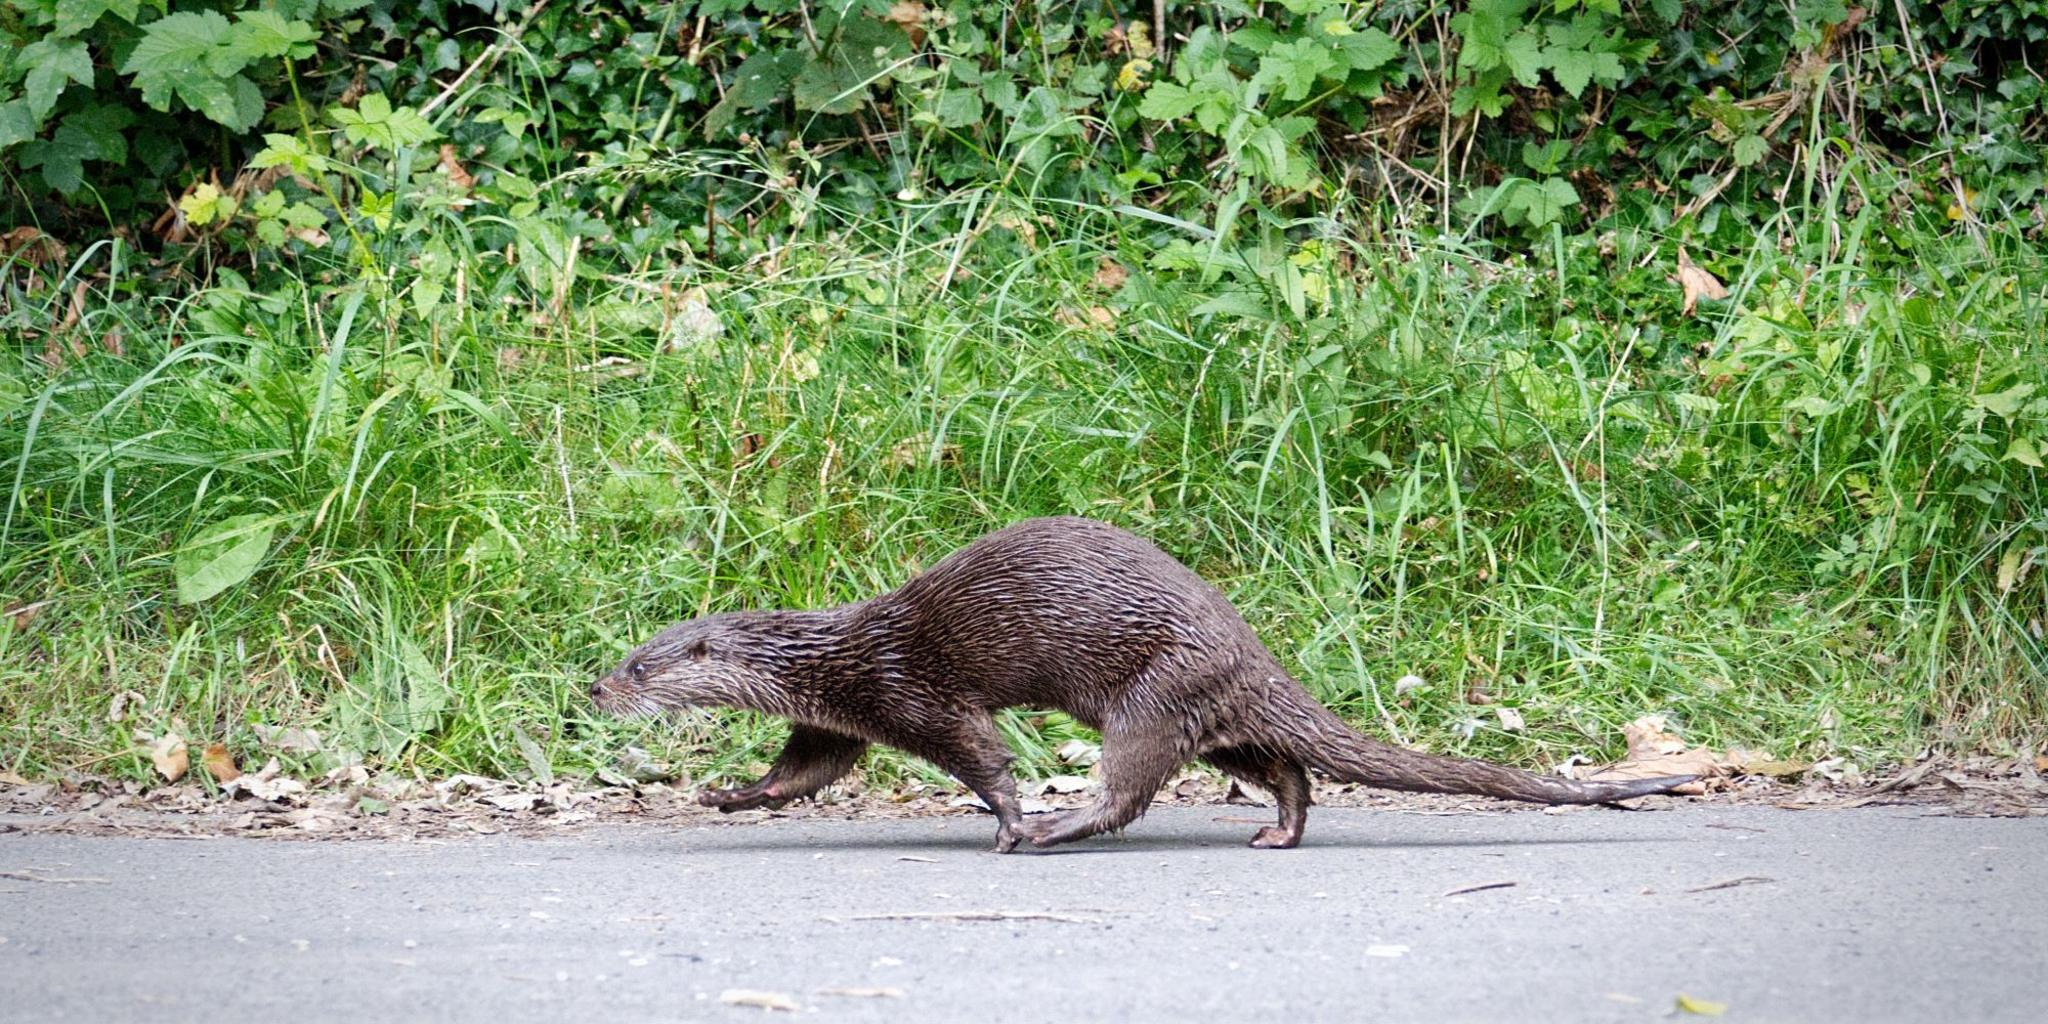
[(1273, 837), (741, 798)]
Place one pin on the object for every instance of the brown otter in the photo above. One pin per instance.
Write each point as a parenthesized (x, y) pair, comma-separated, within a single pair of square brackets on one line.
[(1065, 613)]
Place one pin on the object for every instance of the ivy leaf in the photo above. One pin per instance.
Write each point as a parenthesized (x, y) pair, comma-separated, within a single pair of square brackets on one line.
[(52, 64), (1541, 204), (1749, 149), (75, 16), (260, 34), (221, 556), (958, 108), (62, 157), (376, 123), (759, 80), (17, 125), (101, 124), (837, 81)]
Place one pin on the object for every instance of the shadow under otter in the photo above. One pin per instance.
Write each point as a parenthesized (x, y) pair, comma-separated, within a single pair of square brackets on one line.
[(1066, 613)]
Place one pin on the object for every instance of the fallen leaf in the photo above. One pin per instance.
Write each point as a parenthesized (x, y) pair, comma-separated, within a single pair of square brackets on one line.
[(289, 741), (1094, 317), (1696, 283), (1110, 275), (117, 709), (1240, 797), (169, 755), (219, 763), (513, 801), (1654, 752), (1407, 683), (908, 15), (1066, 784), (1079, 752), (1510, 719), (11, 779), (1700, 1007), (458, 175), (764, 1000)]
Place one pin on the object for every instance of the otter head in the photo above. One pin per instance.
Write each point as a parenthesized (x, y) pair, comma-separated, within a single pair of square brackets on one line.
[(729, 660)]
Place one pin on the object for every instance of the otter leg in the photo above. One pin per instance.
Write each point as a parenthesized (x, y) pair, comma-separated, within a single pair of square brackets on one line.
[(812, 759), (1137, 758), (1286, 779), (974, 752)]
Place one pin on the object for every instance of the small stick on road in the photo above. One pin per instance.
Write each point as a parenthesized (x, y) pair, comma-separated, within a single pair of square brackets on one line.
[(1481, 888), (970, 915), (1733, 882)]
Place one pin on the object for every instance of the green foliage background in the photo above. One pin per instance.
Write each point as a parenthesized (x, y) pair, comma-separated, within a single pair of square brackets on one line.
[(392, 367)]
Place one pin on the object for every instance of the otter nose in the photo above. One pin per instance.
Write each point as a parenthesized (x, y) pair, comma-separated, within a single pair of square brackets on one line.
[(597, 688)]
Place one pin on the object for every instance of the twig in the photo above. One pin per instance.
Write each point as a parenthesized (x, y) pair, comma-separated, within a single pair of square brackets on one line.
[(29, 876), (1733, 882), (971, 915), (490, 55), (1481, 888)]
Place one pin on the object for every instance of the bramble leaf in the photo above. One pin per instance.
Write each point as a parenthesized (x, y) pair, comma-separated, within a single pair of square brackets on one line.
[(52, 64), (375, 122)]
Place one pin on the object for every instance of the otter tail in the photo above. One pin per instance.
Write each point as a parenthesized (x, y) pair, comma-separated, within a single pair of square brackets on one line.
[(1321, 740)]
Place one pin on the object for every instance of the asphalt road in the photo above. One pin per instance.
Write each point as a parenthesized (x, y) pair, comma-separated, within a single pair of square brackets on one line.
[(1871, 915)]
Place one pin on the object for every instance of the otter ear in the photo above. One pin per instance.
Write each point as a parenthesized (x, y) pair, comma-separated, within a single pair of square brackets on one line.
[(700, 649)]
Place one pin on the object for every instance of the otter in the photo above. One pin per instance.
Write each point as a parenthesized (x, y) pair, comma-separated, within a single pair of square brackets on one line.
[(1065, 613)]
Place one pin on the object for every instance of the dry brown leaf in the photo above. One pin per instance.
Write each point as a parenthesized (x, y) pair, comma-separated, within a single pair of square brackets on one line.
[(1653, 752), (266, 784), (2041, 763), (764, 1000), (219, 763), (458, 175), (8, 778), (1067, 784), (1696, 283), (23, 614), (1110, 275), (289, 741), (908, 15), (169, 755), (31, 245), (1093, 316)]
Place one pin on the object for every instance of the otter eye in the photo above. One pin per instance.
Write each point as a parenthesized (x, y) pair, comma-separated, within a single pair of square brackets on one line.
[(637, 669)]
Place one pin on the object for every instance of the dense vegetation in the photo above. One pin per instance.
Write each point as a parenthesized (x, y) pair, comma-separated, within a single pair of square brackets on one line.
[(391, 368)]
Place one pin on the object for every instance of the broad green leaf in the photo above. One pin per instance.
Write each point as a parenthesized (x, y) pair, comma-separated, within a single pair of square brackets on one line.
[(1749, 149), (2023, 450), (759, 80), (17, 125), (376, 123), (61, 158), (1545, 202), (259, 34), (75, 16), (2005, 404), (289, 151), (1523, 54), (1572, 68), (221, 555), (1165, 101), (1367, 49), (1295, 66), (959, 107), (189, 56), (52, 64)]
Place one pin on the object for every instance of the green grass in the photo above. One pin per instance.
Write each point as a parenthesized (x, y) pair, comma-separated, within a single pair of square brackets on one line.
[(1781, 523)]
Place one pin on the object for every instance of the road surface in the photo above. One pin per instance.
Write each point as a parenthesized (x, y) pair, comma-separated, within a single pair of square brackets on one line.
[(1879, 914)]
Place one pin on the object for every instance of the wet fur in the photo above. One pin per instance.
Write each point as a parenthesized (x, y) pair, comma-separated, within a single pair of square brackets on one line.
[(1062, 613)]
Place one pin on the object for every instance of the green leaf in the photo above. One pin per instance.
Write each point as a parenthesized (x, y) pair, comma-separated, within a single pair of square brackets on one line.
[(2005, 403), (289, 151), (102, 124), (260, 34), (837, 81), (17, 125), (958, 108), (1367, 49), (2022, 450), (1749, 149), (221, 555), (1541, 204), (189, 56), (1523, 54), (1573, 69), (376, 123), (62, 157), (75, 16), (759, 80), (1295, 66), (1165, 101), (52, 64)]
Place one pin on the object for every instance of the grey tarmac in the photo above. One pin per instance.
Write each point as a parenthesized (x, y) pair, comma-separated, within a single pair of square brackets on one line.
[(1875, 914)]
